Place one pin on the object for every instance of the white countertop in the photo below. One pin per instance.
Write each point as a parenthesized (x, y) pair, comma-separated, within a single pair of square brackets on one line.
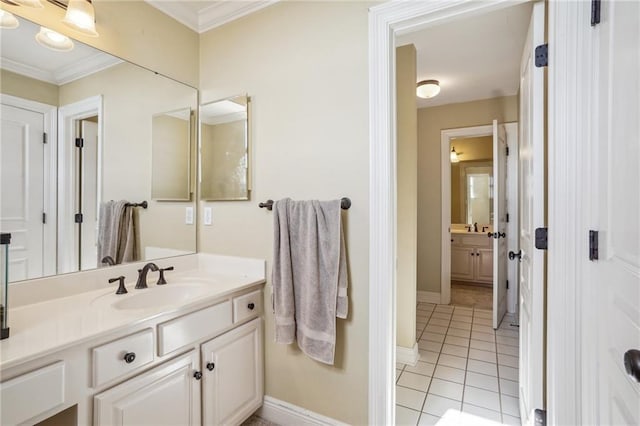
[(41, 328)]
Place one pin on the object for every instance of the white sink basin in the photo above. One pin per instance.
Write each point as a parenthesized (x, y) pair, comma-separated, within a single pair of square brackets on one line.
[(158, 296)]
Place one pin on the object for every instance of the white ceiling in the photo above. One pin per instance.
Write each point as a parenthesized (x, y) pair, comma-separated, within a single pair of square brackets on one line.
[(473, 58), (204, 15), (22, 54)]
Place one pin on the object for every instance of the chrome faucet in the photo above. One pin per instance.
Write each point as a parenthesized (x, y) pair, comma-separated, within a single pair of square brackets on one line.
[(142, 274)]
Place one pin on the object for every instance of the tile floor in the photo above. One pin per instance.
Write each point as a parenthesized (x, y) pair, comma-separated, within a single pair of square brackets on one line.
[(465, 365)]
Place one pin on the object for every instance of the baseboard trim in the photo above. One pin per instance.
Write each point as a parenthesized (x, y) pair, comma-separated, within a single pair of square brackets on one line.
[(428, 297), (286, 414), (408, 355)]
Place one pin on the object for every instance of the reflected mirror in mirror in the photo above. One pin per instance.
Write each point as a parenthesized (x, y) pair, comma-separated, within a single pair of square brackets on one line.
[(224, 149), (472, 181), (171, 155), (76, 152)]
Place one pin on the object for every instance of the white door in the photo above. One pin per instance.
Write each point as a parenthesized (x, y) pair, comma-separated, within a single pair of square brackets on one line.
[(89, 197), (22, 189), (233, 371), (532, 207), (616, 164), (167, 395), (499, 223)]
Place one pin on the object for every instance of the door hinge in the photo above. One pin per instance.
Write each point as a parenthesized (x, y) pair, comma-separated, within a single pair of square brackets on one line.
[(507, 150), (44, 138), (542, 53), (507, 284), (507, 218), (593, 245), (540, 417), (44, 217), (78, 218), (541, 238), (595, 12), (79, 142)]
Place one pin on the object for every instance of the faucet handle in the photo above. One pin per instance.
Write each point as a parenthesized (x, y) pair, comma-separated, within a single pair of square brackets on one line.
[(121, 288), (161, 279)]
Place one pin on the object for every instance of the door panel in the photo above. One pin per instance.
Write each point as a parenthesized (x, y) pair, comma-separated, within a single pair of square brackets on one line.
[(618, 268), (499, 263), (22, 189), (531, 211), (462, 263), (485, 270), (90, 191)]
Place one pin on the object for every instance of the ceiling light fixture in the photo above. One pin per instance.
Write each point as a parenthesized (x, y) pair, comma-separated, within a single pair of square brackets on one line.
[(7, 20), (53, 40), (81, 16), (27, 3), (428, 89), (454, 156)]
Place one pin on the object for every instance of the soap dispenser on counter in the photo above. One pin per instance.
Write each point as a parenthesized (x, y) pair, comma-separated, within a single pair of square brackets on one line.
[(5, 240)]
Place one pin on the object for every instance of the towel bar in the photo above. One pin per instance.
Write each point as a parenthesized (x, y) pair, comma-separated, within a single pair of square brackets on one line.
[(143, 204), (345, 203)]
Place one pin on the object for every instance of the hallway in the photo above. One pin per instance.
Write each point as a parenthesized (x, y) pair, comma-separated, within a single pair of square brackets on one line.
[(465, 366)]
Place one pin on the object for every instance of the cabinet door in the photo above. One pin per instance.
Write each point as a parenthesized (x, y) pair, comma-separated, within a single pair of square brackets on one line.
[(484, 265), (462, 259), (233, 375), (166, 395)]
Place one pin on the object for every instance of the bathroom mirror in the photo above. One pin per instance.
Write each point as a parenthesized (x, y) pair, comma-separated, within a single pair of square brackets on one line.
[(224, 149), (171, 155), (472, 181), (77, 179)]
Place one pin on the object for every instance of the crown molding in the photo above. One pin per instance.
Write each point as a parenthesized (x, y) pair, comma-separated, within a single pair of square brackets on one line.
[(28, 71)]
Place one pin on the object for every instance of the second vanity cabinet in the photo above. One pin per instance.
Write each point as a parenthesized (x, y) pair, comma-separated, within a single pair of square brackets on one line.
[(472, 258)]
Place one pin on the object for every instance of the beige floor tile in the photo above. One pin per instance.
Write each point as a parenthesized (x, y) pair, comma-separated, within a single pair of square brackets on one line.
[(486, 337), (461, 325), (434, 337), (511, 341), (481, 355), (482, 345), (458, 332), (414, 381), (428, 356), (428, 420), (409, 398), (508, 350), (482, 381), (482, 367), (459, 341), (406, 416), (484, 413), (482, 398), (455, 350), (510, 405), (448, 373), (424, 368), (437, 405), (452, 361), (508, 360), (508, 387), (508, 373), (446, 389)]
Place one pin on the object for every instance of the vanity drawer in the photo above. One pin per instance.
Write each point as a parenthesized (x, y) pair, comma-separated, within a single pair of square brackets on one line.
[(185, 330), (118, 358), (32, 394), (247, 306)]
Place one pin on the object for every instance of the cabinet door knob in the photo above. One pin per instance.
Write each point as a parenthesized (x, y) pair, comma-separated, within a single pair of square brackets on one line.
[(129, 357), (251, 306), (210, 366), (197, 375)]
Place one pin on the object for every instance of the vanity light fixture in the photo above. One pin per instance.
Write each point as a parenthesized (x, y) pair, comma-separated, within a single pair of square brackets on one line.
[(454, 156), (53, 40), (7, 20), (428, 89), (81, 16)]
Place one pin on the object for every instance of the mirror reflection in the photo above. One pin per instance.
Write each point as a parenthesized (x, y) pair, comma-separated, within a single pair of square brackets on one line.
[(171, 156), (77, 158), (472, 180), (224, 149)]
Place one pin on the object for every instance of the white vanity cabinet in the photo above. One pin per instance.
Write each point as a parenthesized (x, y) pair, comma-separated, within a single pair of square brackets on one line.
[(472, 258)]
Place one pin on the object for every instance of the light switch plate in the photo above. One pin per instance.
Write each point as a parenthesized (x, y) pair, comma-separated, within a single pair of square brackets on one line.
[(188, 216), (208, 216)]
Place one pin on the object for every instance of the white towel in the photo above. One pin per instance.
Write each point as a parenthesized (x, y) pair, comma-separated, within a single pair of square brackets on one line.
[(309, 275)]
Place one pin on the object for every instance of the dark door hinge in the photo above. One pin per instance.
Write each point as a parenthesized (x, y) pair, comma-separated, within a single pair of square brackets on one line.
[(593, 245), (540, 417), (44, 217), (507, 284), (595, 12), (542, 53), (541, 238), (507, 150), (78, 218), (79, 143), (44, 138), (507, 218)]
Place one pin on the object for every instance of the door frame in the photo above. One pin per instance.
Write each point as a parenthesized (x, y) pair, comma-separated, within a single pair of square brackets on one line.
[(50, 113), (386, 21)]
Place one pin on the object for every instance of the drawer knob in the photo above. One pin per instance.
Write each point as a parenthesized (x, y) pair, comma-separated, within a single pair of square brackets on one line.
[(197, 375), (210, 366), (129, 357), (251, 306)]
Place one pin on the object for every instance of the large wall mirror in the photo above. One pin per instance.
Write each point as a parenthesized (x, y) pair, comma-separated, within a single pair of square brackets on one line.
[(96, 157), (224, 149)]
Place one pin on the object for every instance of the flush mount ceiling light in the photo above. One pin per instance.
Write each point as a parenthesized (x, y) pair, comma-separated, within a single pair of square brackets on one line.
[(53, 40), (428, 89), (81, 16), (7, 20), (454, 156)]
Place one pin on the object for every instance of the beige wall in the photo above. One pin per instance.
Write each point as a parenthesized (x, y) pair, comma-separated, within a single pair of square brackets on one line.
[(472, 149), (28, 88), (407, 216), (305, 66), (134, 31), (131, 97), (430, 123)]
